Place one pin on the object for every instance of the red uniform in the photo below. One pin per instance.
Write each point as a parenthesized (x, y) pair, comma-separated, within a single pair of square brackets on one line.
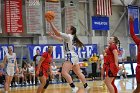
[(111, 69), (45, 66), (137, 41), (105, 64)]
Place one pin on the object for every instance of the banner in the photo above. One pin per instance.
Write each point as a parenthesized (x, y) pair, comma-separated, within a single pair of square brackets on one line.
[(58, 53), (34, 17), (100, 23), (4, 50), (0, 18), (56, 7), (13, 16), (134, 12)]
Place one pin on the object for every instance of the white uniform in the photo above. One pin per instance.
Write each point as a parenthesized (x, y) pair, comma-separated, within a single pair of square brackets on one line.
[(11, 59), (54, 69), (70, 54), (102, 60), (31, 70)]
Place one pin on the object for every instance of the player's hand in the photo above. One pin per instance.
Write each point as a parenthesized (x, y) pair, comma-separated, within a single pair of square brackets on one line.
[(37, 72), (49, 19), (51, 34), (17, 70), (117, 66)]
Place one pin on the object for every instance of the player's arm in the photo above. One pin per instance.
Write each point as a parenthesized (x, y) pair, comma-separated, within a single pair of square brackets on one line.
[(4, 60), (50, 70), (55, 37), (40, 62), (115, 52), (55, 30), (132, 33), (59, 34)]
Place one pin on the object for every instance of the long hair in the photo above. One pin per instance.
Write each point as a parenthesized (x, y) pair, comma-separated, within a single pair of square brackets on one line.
[(117, 41), (76, 41)]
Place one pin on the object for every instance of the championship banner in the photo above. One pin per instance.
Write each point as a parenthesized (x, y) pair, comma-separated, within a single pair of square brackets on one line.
[(0, 18), (4, 50), (100, 23), (56, 7), (86, 52), (34, 17), (13, 16), (133, 11)]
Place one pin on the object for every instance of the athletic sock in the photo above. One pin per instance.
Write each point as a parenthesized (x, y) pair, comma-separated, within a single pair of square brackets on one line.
[(85, 85), (72, 85)]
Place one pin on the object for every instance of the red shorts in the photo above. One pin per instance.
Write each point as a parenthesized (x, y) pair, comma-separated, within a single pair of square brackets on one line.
[(111, 70), (138, 74), (43, 72), (104, 66)]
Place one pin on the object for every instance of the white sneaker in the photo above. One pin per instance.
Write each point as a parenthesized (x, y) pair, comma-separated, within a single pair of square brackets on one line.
[(74, 90), (87, 88), (34, 83), (16, 83), (6, 92)]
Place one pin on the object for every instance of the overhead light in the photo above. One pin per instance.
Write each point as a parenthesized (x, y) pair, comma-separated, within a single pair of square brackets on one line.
[(52, 0), (71, 3)]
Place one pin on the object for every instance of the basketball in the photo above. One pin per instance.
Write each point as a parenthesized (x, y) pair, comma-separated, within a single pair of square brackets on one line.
[(49, 15)]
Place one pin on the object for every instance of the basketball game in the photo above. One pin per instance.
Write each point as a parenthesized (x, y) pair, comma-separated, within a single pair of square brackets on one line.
[(69, 46)]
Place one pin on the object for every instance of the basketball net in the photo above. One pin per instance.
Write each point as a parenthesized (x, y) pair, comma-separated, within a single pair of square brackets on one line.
[(34, 3)]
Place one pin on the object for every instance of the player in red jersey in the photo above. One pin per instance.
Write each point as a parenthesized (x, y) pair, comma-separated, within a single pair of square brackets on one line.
[(112, 67), (44, 69), (137, 41)]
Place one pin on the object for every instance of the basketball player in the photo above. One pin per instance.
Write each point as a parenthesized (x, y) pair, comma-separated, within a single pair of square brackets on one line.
[(71, 58), (44, 69), (10, 60), (137, 41), (112, 67)]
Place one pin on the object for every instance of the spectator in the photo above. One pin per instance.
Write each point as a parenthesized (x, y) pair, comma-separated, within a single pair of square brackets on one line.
[(25, 72), (31, 70)]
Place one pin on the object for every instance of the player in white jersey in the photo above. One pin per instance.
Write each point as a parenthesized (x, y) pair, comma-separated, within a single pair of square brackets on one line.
[(71, 58), (10, 60)]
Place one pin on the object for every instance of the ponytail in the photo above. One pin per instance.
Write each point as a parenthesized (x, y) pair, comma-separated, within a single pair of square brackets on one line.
[(117, 41), (77, 42), (119, 44)]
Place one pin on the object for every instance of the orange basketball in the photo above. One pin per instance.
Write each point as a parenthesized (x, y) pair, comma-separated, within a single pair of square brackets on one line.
[(49, 15)]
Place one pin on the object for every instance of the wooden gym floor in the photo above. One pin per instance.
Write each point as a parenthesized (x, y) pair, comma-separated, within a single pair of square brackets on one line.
[(124, 86)]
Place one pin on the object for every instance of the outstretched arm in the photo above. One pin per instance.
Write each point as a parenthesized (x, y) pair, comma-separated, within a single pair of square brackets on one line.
[(134, 37), (55, 37), (55, 30)]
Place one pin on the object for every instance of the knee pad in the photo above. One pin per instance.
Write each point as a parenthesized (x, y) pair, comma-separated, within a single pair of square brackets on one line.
[(47, 84)]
